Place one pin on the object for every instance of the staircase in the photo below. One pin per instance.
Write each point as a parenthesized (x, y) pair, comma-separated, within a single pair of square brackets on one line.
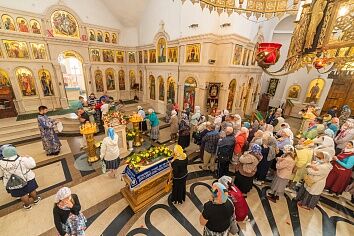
[(12, 131)]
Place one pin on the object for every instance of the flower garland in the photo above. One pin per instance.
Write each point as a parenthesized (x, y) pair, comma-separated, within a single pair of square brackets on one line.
[(115, 118)]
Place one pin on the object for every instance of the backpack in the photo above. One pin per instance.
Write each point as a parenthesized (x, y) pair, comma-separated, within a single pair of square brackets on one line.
[(15, 181)]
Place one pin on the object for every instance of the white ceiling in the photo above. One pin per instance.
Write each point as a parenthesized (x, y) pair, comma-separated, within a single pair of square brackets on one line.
[(128, 12)]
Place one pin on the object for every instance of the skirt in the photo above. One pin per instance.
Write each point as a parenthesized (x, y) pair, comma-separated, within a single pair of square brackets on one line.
[(75, 225), (112, 165), (154, 133), (262, 169), (143, 126), (30, 187), (279, 185), (208, 232), (307, 199), (243, 183), (184, 141), (338, 179), (179, 190)]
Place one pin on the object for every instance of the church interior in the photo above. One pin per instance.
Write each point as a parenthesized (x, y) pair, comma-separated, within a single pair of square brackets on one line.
[(241, 57)]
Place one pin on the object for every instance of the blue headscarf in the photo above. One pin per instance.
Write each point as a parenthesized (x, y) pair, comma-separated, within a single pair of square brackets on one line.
[(247, 124), (110, 133), (256, 149)]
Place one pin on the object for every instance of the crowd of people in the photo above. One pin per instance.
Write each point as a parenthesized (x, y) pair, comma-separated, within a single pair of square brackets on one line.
[(319, 162)]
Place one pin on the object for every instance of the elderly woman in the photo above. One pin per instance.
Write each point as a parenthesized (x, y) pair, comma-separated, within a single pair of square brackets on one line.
[(236, 122), (240, 141), (217, 213), (180, 172), (313, 131), (154, 122), (173, 126), (324, 142), (345, 134), (315, 181), (110, 152), (334, 125), (340, 176), (142, 125), (344, 114), (257, 139), (68, 219), (284, 139), (247, 168), (184, 137)]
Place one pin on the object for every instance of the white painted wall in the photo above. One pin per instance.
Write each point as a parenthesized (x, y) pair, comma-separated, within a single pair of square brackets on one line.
[(90, 11)]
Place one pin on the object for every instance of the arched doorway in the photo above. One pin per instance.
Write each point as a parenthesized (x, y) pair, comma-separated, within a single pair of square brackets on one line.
[(73, 76), (171, 89), (230, 99), (248, 92), (189, 93), (152, 87)]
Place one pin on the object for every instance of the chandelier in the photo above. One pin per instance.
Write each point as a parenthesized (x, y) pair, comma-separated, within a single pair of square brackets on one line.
[(323, 39), (256, 8)]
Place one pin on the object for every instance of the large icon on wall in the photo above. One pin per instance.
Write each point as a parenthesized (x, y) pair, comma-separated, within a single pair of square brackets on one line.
[(120, 56), (8, 22), (99, 36), (4, 79), (64, 24), (99, 81), (111, 85), (152, 56), (26, 81), (213, 95), (161, 88), (107, 55), (314, 91), (95, 54), (172, 53), (237, 55), (272, 87), (16, 49), (46, 82), (38, 50), (22, 24), (161, 49), (121, 79), (35, 26), (171, 89), (131, 57), (193, 53), (132, 79), (231, 97), (294, 92), (189, 93), (152, 87), (107, 38)]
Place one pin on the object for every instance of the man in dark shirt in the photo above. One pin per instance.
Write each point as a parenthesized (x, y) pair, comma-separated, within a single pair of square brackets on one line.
[(209, 142), (225, 151)]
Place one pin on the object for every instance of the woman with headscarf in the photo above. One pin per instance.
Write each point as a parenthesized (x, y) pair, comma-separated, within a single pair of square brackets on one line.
[(184, 131), (173, 126), (334, 125), (154, 122), (240, 141), (110, 152), (236, 122), (268, 153), (324, 142), (247, 168), (285, 165), (240, 204), (313, 131), (180, 172), (345, 134), (217, 213), (142, 125), (340, 176), (195, 118), (68, 218), (257, 139), (315, 181), (268, 130), (344, 114), (284, 139)]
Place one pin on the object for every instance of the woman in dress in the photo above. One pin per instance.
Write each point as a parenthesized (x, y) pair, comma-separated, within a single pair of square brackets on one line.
[(285, 165), (142, 125), (68, 219), (180, 172), (18, 177), (345, 134), (110, 152), (154, 122), (315, 181), (184, 136), (217, 213), (340, 176), (50, 140), (246, 168), (173, 126)]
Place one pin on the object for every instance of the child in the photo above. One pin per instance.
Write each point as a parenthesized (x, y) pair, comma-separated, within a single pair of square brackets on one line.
[(285, 165)]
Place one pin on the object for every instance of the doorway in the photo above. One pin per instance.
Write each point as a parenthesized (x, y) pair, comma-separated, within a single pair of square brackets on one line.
[(341, 93), (73, 76)]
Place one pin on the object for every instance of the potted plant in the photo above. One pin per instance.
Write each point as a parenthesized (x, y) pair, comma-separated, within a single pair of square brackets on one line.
[(130, 137)]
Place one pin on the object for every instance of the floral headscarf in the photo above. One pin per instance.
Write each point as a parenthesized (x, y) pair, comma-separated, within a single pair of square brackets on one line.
[(256, 149), (185, 118), (219, 193), (62, 194)]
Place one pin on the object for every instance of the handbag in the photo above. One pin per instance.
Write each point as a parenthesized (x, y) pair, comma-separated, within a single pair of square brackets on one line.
[(103, 167), (233, 223), (308, 180)]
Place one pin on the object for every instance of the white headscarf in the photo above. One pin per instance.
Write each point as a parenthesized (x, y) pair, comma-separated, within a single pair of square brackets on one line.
[(63, 193)]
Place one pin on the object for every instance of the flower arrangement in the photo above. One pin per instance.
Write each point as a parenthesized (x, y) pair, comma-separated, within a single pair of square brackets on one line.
[(115, 118), (153, 154), (131, 134)]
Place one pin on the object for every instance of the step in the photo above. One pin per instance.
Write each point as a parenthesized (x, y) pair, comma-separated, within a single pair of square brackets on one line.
[(19, 136), (18, 129)]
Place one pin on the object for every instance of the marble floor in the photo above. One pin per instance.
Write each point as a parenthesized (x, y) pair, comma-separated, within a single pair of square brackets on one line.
[(108, 212)]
